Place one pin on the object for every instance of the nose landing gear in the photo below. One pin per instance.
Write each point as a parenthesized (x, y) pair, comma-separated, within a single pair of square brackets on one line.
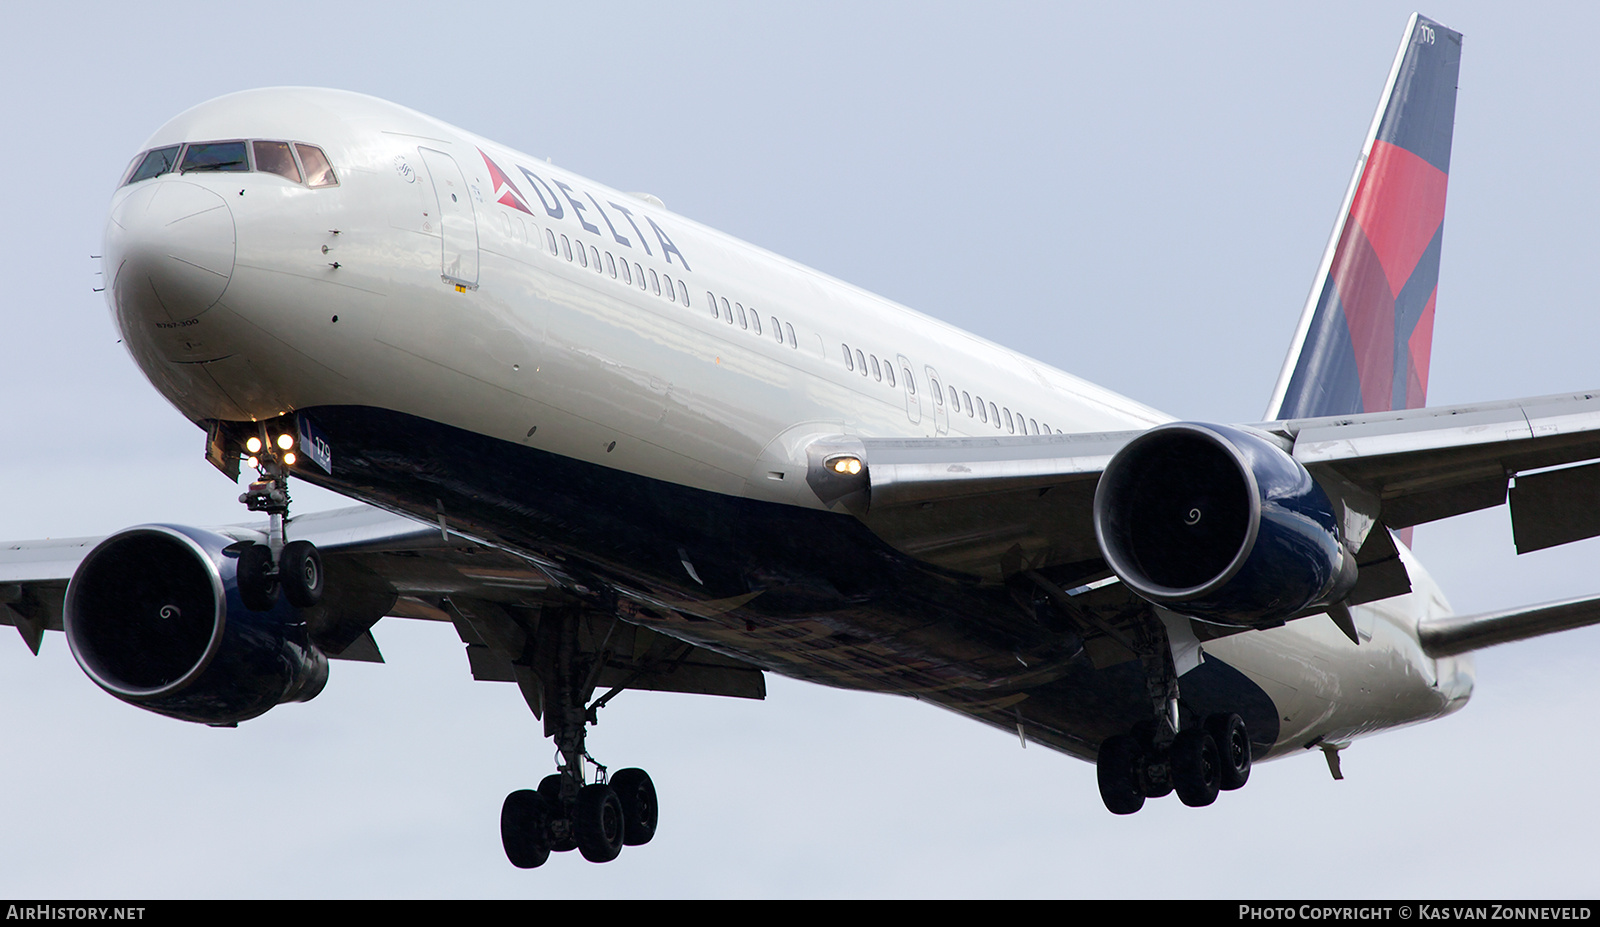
[(292, 567)]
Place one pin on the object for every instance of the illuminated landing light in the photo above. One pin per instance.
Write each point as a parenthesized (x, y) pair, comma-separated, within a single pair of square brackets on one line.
[(289, 458), (255, 464), (253, 445), (285, 441), (849, 466)]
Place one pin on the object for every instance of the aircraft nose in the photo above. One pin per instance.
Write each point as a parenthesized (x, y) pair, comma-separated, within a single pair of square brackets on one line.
[(169, 252)]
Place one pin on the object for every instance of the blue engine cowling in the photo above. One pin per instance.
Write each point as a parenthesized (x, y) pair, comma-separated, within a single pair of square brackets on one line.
[(1220, 524), (153, 615)]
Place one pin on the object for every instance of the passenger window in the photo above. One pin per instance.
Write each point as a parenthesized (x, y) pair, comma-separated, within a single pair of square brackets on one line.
[(938, 394), (158, 162), (566, 248), (276, 158), (983, 413), (994, 415), (550, 241), (611, 265), (727, 310), (777, 330), (215, 156), (583, 256), (888, 371), (861, 361), (966, 398), (671, 294), (683, 292), (744, 322), (319, 173), (1034, 425), (627, 275), (911, 381), (712, 299), (594, 259), (790, 329), (655, 282), (876, 373), (638, 274), (955, 399), (755, 321), (1010, 426), (849, 364)]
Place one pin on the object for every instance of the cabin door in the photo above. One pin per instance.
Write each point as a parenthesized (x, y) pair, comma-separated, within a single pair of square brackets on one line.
[(458, 219)]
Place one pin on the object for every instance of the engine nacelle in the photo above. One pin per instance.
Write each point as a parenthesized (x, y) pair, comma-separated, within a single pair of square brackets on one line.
[(1220, 524), (153, 615)]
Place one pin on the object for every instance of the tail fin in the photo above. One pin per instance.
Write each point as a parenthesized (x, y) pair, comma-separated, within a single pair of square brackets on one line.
[(1366, 332)]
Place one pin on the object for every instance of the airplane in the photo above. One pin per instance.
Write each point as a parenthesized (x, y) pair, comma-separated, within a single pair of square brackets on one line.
[(486, 539)]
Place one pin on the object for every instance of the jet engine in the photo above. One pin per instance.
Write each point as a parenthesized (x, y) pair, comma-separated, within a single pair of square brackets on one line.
[(1221, 524), (154, 616)]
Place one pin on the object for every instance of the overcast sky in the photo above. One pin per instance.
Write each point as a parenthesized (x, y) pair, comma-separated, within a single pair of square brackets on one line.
[(1135, 195)]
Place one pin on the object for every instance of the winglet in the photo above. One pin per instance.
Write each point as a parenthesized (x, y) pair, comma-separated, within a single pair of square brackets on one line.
[(1366, 332)]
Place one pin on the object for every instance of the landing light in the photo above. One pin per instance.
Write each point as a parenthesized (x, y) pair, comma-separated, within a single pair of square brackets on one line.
[(253, 462), (285, 441), (253, 445), (846, 465), (289, 458)]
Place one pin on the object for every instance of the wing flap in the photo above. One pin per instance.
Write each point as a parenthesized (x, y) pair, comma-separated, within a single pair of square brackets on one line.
[(1555, 507)]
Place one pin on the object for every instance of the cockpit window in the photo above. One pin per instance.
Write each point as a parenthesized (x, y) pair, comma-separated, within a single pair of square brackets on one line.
[(215, 156), (319, 173), (295, 161), (275, 158), (157, 162)]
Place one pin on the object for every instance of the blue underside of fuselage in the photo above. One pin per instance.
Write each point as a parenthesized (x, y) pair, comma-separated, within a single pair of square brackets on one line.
[(827, 600)]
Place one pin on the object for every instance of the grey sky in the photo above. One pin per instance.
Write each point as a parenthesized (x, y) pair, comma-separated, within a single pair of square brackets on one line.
[(1136, 197)]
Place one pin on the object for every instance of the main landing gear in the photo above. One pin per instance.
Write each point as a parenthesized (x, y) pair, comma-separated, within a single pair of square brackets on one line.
[(293, 568), (599, 817), (1157, 757), (1199, 762)]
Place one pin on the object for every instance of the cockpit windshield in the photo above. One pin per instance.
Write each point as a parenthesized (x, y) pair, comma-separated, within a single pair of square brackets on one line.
[(296, 162), (215, 156), (155, 163)]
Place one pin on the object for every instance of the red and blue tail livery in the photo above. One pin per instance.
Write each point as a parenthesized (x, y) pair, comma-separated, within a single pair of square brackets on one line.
[(1367, 329)]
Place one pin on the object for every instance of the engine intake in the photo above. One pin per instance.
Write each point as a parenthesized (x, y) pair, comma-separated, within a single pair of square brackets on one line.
[(154, 617), (1221, 524)]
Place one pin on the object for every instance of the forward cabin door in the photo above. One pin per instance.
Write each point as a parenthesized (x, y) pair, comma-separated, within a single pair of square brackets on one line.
[(458, 219)]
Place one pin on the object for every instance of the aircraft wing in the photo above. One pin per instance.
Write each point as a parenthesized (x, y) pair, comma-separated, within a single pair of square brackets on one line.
[(1432, 463), (967, 504), (380, 564)]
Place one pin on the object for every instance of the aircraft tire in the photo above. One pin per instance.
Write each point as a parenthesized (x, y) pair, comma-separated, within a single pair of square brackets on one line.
[(524, 829), (258, 588), (1117, 769), (550, 790), (598, 823), (1196, 767), (300, 572), (639, 807), (1233, 749)]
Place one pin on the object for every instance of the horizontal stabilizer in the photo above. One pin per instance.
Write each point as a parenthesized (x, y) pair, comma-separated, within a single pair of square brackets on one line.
[(1450, 636)]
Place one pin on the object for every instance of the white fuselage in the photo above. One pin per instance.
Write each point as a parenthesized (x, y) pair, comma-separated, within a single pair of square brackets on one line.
[(532, 307)]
